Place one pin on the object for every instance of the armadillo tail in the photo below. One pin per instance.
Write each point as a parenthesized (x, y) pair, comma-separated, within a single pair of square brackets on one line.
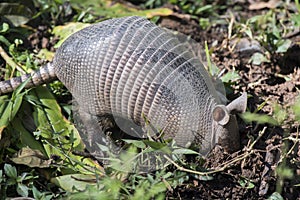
[(43, 75)]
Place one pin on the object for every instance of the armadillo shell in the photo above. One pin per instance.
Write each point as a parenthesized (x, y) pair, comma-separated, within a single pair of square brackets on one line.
[(131, 68)]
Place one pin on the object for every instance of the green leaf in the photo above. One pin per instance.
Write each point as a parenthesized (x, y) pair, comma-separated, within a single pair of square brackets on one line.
[(4, 41), (74, 182), (283, 47), (3, 103), (296, 109), (91, 192), (26, 138), (146, 191), (10, 171), (213, 70), (64, 31), (17, 13), (248, 32), (231, 76), (109, 10), (10, 108), (259, 118), (59, 136), (203, 9), (22, 190), (4, 28), (45, 54), (127, 160), (114, 185), (245, 183), (285, 172), (51, 122), (137, 143), (41, 195), (24, 176), (258, 58), (156, 145), (204, 23), (280, 114), (296, 19), (275, 196), (184, 151)]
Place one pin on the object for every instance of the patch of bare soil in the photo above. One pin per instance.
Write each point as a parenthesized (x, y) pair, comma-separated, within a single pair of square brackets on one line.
[(252, 173)]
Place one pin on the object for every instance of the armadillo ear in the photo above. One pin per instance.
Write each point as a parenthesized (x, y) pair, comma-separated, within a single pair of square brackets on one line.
[(238, 105), (221, 115)]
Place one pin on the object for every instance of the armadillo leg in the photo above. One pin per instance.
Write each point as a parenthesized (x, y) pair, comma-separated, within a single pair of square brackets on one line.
[(92, 134)]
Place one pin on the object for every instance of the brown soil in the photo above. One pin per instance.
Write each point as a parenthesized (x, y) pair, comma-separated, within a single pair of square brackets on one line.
[(254, 176)]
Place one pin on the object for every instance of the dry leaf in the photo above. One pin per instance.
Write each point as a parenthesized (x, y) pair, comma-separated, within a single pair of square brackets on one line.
[(262, 5)]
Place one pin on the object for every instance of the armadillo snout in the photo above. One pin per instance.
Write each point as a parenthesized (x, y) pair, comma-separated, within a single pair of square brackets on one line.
[(226, 131)]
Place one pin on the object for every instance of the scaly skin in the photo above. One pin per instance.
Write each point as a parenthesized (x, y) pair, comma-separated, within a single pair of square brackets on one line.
[(45, 74)]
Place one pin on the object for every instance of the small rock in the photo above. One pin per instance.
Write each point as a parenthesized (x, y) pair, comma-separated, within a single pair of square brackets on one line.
[(246, 47)]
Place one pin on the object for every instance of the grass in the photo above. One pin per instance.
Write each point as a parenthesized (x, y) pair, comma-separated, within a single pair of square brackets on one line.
[(52, 143)]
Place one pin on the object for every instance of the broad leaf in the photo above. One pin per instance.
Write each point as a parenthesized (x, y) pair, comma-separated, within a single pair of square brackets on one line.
[(59, 136), (74, 182), (17, 13), (111, 10), (31, 158), (64, 31), (9, 108), (10, 171)]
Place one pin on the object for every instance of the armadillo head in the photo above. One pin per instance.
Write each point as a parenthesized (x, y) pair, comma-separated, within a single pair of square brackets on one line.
[(225, 125)]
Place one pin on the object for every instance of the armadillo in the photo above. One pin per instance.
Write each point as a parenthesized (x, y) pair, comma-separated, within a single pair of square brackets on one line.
[(133, 69)]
